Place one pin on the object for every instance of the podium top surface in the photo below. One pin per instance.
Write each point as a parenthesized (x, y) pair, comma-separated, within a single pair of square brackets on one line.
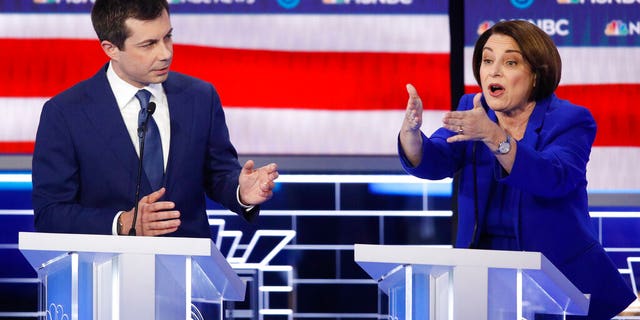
[(65, 242), (43, 250), (429, 255), (379, 261)]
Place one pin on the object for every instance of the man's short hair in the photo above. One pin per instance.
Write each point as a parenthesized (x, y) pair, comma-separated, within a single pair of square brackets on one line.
[(109, 16)]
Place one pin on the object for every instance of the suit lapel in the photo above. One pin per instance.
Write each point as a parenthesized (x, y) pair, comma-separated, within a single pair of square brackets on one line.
[(535, 123), (103, 113), (181, 106)]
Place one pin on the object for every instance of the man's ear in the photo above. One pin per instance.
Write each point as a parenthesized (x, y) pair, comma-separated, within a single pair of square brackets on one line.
[(110, 49)]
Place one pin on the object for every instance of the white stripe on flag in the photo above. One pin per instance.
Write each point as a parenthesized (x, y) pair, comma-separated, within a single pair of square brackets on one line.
[(613, 168), (292, 131), (20, 118), (337, 33), (342, 33)]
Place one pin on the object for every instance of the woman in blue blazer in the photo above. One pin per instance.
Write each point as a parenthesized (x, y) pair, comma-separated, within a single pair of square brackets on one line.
[(522, 154)]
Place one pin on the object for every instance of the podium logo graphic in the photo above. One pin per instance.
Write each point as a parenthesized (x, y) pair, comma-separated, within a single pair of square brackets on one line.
[(484, 26), (195, 313), (56, 312), (522, 4), (288, 4), (616, 28)]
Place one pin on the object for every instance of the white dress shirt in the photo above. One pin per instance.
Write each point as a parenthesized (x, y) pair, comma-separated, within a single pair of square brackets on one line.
[(129, 107)]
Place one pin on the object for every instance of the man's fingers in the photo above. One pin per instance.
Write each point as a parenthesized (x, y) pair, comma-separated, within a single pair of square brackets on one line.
[(164, 224), (161, 227), (159, 206), (248, 166), (154, 196), (152, 217)]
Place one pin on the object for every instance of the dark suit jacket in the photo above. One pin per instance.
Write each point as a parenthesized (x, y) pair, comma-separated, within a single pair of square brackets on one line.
[(85, 165), (549, 174)]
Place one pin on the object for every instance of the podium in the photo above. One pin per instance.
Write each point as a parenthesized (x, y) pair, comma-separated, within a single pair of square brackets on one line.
[(109, 277), (438, 283)]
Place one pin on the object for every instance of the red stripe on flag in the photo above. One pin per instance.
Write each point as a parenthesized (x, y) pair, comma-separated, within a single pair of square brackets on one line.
[(614, 108), (21, 147), (259, 78), (43, 68), (615, 112)]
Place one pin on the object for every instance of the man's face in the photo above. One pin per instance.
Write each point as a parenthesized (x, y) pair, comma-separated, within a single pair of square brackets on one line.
[(147, 52)]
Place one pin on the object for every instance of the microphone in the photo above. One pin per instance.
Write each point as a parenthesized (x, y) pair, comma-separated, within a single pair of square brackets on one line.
[(142, 132)]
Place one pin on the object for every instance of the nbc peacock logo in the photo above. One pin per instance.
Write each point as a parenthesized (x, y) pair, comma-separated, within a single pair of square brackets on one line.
[(484, 26), (616, 28)]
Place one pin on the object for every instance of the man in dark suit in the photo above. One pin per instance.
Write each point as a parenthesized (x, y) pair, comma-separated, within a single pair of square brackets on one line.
[(85, 162)]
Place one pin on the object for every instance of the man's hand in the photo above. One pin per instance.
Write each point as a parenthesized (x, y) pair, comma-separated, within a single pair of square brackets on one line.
[(154, 217), (256, 185)]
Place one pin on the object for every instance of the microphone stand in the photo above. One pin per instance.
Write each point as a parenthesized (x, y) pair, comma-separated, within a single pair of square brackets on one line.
[(142, 132)]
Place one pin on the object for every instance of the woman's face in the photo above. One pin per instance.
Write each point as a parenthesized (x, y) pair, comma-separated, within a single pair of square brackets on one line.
[(506, 78)]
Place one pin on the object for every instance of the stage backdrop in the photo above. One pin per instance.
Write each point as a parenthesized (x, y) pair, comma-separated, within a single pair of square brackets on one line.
[(312, 77), (599, 41)]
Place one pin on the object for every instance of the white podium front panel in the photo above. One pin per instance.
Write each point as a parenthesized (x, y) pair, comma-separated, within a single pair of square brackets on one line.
[(109, 277), (441, 283)]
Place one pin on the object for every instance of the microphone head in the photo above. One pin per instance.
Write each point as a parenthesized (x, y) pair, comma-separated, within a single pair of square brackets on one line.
[(151, 108)]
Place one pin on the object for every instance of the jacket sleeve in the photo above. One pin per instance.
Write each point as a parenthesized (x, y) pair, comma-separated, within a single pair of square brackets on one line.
[(56, 181), (222, 167)]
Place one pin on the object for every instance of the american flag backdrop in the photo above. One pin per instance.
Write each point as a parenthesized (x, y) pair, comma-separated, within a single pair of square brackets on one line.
[(327, 77), (599, 42), (295, 77)]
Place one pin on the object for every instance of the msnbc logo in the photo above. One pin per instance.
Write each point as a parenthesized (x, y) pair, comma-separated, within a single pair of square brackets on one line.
[(570, 1), (209, 2), (484, 26), (335, 1), (79, 2), (617, 28)]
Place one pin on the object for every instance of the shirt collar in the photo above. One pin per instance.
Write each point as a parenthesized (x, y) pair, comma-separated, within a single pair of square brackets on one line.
[(124, 91)]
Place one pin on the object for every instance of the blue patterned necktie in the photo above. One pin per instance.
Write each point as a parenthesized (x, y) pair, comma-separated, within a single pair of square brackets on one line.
[(152, 160)]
